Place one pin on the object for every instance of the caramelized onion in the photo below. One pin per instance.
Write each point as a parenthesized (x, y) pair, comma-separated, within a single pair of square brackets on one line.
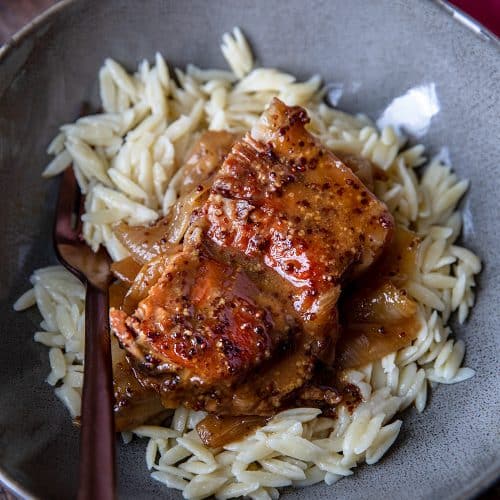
[(134, 404), (376, 326), (366, 171), (149, 274), (182, 212), (117, 292), (363, 168), (217, 431), (126, 269), (385, 304), (376, 313), (205, 157), (148, 242), (143, 242), (398, 262)]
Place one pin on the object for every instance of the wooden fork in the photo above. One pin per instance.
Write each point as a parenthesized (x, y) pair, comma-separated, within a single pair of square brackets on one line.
[(97, 437)]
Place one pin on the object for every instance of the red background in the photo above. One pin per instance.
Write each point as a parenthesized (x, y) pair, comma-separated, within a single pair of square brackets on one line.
[(487, 12)]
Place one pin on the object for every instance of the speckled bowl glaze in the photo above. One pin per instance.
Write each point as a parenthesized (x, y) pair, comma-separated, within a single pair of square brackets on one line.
[(381, 48)]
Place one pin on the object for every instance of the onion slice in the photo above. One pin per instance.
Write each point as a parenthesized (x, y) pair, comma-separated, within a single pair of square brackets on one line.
[(215, 431)]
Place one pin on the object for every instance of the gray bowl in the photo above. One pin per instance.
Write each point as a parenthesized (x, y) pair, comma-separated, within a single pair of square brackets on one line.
[(449, 451)]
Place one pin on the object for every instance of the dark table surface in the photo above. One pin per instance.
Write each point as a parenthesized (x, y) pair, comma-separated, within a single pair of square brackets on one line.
[(16, 13)]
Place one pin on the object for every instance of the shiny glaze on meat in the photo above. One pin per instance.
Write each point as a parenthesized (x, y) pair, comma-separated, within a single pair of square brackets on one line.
[(206, 324), (284, 198), (276, 232), (203, 324)]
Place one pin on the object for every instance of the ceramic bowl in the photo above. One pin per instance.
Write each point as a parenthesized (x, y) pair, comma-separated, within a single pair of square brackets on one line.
[(381, 49)]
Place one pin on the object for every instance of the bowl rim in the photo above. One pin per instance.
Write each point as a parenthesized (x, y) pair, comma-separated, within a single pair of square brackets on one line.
[(474, 488), (6, 480), (467, 20)]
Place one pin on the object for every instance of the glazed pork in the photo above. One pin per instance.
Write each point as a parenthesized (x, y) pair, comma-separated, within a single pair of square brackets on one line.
[(283, 198), (238, 315)]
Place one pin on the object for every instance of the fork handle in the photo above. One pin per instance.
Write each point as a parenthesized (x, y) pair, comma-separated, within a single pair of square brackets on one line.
[(97, 436)]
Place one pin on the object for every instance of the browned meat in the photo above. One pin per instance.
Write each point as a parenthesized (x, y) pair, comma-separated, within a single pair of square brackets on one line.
[(240, 318), (203, 326), (283, 198)]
